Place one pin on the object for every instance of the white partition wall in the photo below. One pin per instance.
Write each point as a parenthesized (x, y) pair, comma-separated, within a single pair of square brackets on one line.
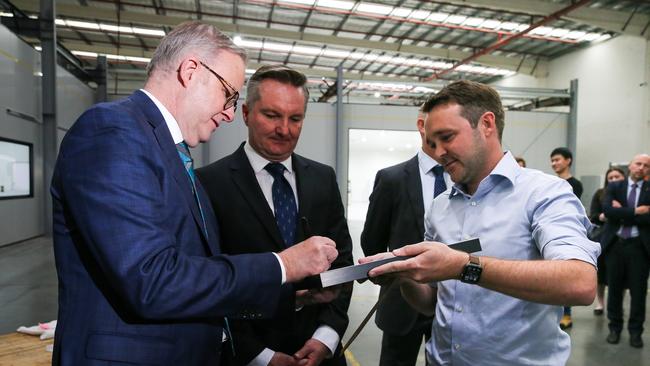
[(20, 115)]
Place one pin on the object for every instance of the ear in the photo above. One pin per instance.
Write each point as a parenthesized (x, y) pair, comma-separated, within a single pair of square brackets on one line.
[(187, 70), (488, 125), (244, 113)]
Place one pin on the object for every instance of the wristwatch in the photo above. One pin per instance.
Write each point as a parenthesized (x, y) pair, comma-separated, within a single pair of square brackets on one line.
[(472, 271)]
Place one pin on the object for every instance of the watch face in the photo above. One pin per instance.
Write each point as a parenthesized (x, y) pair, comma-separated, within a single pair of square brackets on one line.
[(471, 273)]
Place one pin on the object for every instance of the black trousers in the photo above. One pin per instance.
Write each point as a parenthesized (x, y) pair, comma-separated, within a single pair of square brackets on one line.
[(402, 350), (628, 266)]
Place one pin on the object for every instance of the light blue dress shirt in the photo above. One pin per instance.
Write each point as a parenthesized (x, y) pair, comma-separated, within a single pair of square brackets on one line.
[(519, 214)]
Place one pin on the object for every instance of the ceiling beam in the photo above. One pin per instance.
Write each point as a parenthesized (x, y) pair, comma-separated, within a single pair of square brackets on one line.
[(611, 20), (109, 15)]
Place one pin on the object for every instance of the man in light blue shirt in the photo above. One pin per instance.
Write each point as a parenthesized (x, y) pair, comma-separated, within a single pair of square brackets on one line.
[(506, 307)]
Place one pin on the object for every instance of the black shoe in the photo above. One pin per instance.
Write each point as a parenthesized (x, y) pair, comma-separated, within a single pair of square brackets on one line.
[(614, 337), (636, 341)]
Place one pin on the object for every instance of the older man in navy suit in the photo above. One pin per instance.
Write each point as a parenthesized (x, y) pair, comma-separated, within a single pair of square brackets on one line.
[(141, 277), (626, 242)]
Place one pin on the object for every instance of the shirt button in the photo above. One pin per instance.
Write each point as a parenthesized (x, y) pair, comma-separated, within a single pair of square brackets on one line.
[(473, 203), (457, 346), (459, 309)]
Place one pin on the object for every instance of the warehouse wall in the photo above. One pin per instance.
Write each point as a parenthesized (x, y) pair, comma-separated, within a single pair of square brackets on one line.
[(20, 91)]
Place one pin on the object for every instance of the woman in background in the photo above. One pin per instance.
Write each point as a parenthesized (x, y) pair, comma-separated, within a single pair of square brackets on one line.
[(598, 218)]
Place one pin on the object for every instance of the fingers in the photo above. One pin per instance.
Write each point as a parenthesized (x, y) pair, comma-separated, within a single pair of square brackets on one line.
[(310, 257), (375, 257), (415, 249)]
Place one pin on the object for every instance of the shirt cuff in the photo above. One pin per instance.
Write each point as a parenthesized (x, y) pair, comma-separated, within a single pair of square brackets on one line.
[(263, 359), (328, 336), (284, 271)]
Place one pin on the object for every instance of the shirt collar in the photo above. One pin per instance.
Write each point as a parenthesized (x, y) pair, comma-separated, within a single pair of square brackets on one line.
[(258, 162), (425, 162), (506, 168), (630, 182), (171, 122)]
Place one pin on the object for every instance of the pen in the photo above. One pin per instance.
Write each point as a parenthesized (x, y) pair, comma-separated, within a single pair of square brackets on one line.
[(306, 229)]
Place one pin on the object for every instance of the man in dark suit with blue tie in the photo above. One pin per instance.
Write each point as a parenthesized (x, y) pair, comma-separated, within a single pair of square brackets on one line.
[(265, 198), (626, 244), (401, 195), (142, 280)]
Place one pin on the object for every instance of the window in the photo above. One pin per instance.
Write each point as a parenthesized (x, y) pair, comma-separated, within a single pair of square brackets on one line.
[(16, 167)]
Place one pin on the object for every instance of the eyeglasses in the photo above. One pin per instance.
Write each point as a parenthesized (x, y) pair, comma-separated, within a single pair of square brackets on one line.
[(232, 95)]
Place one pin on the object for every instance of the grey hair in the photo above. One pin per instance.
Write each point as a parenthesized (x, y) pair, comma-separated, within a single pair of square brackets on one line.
[(280, 73), (202, 38)]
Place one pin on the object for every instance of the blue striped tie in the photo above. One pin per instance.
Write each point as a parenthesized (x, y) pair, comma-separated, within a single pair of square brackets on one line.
[(284, 203)]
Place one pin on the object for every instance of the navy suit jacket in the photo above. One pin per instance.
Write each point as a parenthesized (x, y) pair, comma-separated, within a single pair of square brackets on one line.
[(395, 218), (249, 226), (625, 215), (139, 280)]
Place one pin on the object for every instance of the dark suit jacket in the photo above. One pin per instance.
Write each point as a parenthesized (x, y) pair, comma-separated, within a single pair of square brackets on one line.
[(139, 281), (248, 226), (625, 215), (395, 218)]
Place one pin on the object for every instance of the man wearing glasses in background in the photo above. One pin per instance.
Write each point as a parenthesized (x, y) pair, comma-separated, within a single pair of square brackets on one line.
[(141, 277)]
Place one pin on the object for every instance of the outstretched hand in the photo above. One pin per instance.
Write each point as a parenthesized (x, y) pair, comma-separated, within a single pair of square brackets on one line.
[(432, 261)]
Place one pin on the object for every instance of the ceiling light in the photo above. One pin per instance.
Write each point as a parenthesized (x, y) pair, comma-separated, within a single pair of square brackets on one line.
[(305, 50), (279, 47), (377, 94), (575, 34), (336, 4), (355, 55), (473, 22), (149, 32), (604, 37), (522, 27), (438, 17), (336, 53), (491, 24), (391, 149), (419, 14), (558, 32), (250, 44), (456, 19), (401, 12), (250, 71), (306, 2), (541, 31), (508, 26), (398, 60), (374, 8), (370, 57), (385, 58), (3, 14), (590, 37)]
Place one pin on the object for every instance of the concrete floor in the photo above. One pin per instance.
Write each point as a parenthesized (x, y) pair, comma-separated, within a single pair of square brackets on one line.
[(28, 295)]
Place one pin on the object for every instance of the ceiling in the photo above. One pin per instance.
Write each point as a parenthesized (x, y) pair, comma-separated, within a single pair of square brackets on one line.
[(390, 51)]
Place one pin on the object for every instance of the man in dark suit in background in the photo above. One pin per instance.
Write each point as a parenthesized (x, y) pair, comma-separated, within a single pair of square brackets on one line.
[(141, 277), (401, 195), (626, 241), (260, 195)]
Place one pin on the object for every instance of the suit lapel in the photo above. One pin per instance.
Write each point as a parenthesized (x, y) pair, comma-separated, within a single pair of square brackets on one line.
[(414, 190), (245, 180), (173, 161), (304, 183)]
